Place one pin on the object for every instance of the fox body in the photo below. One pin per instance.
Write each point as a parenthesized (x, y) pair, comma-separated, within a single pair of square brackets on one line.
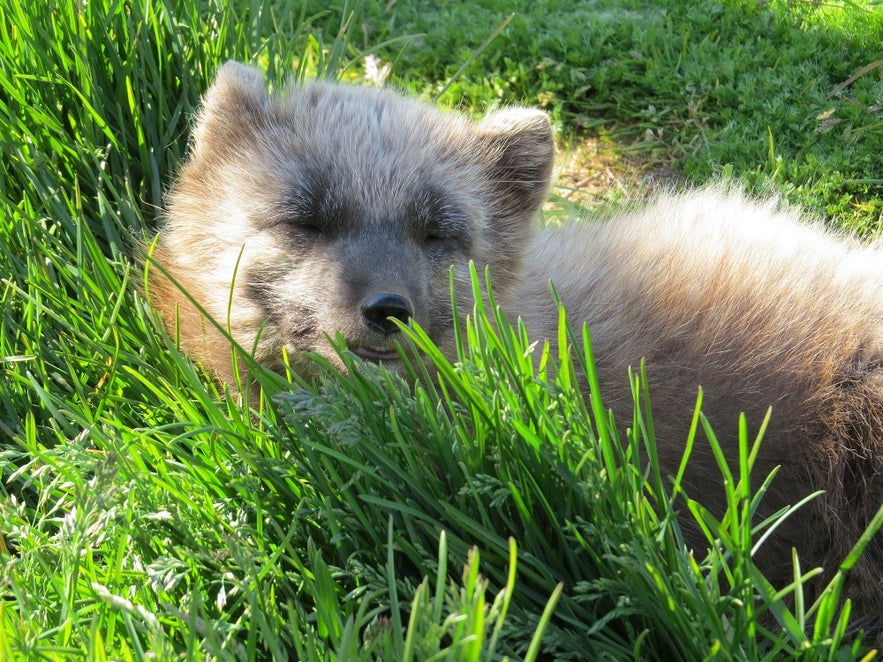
[(330, 209)]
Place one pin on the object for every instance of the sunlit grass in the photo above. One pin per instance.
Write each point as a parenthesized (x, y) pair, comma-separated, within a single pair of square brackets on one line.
[(145, 513)]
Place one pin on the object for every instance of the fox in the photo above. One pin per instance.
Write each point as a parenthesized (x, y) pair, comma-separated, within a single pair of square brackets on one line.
[(327, 210)]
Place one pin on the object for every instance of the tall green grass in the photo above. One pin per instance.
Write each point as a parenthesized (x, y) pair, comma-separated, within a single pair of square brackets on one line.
[(147, 514)]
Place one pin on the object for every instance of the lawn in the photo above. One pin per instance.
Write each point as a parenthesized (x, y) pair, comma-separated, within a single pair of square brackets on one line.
[(146, 513)]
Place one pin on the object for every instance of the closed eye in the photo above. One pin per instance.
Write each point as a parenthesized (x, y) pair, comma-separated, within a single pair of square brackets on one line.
[(308, 229), (441, 243), (436, 237)]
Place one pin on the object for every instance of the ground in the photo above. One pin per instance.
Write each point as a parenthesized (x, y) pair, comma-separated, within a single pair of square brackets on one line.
[(591, 170)]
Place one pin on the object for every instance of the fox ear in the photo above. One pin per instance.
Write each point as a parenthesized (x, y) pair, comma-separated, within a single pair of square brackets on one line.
[(235, 103), (235, 85), (522, 152)]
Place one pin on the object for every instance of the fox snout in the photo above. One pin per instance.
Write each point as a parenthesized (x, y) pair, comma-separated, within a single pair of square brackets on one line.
[(378, 312), (380, 309)]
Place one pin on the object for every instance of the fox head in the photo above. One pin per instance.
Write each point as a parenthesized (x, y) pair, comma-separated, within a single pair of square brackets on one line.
[(332, 209)]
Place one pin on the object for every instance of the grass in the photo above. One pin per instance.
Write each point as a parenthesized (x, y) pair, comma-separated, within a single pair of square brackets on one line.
[(146, 514), (784, 95)]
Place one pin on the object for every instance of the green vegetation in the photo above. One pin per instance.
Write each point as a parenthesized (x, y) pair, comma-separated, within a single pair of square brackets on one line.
[(786, 95), (145, 514)]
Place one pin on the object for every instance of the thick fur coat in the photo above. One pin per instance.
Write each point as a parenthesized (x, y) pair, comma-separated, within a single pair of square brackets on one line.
[(328, 209)]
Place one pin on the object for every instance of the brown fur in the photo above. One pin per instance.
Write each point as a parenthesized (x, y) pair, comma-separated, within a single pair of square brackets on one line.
[(760, 310), (293, 212)]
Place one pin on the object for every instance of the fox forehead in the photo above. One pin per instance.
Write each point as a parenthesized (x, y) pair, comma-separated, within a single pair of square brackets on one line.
[(360, 132), (341, 152), (377, 119), (302, 179)]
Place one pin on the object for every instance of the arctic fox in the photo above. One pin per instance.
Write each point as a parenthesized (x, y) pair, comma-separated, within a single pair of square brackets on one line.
[(333, 209)]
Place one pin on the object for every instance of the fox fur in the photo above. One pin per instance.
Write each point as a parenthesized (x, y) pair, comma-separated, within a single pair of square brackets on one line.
[(328, 208)]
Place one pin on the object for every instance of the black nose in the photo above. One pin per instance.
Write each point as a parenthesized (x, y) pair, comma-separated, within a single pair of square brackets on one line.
[(379, 310)]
